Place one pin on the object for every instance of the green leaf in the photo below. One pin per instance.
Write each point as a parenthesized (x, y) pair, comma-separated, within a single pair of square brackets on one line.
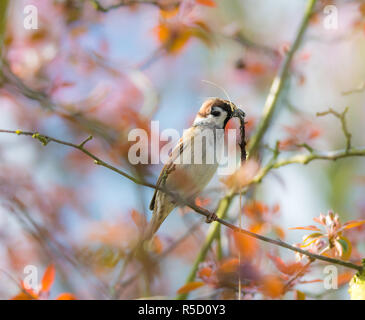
[(357, 285), (346, 247)]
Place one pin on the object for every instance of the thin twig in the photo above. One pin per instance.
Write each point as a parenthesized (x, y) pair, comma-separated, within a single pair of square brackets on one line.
[(98, 6), (359, 89), (306, 158), (342, 117)]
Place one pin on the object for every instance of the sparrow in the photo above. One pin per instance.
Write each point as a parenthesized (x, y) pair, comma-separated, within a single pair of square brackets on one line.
[(188, 178)]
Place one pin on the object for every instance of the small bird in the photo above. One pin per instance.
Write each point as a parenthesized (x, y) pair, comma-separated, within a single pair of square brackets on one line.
[(188, 178)]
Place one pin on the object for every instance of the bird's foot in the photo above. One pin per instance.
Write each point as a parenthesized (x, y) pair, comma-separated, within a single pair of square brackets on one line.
[(211, 217)]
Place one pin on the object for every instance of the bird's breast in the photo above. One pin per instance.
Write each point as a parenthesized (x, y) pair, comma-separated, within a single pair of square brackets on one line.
[(198, 163)]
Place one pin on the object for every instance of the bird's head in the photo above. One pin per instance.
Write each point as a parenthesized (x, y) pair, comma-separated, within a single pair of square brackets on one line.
[(217, 112)]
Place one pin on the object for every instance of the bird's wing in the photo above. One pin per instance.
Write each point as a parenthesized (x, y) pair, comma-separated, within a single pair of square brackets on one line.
[(175, 153)]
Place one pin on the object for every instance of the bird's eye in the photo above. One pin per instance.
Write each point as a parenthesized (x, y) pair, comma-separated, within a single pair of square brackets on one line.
[(216, 113)]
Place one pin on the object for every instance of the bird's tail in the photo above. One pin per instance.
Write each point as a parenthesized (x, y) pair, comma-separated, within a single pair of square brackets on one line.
[(158, 217)]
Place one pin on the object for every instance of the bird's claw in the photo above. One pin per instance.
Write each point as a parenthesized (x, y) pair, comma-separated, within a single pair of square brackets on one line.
[(211, 217)]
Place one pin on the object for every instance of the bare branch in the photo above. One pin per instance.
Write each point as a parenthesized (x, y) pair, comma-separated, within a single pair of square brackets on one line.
[(122, 3), (306, 158), (342, 117), (359, 89), (81, 145)]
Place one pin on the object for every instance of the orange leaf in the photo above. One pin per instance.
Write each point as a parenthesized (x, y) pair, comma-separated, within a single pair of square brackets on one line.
[(229, 266), (310, 281), (243, 176), (315, 235), (208, 3), (344, 278), (353, 224), (256, 68), (162, 32), (279, 231), (259, 227), (255, 209), (272, 286), (311, 228), (276, 208), (24, 296), (138, 219), (362, 9), (190, 287), (205, 272), (286, 268), (173, 37), (247, 246), (48, 278), (169, 13), (202, 202), (157, 246), (179, 42), (66, 296)]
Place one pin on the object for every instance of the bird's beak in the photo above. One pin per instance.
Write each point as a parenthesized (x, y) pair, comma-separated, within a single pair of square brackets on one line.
[(238, 113)]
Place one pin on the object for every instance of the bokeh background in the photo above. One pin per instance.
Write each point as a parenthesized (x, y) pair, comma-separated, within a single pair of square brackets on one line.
[(87, 72)]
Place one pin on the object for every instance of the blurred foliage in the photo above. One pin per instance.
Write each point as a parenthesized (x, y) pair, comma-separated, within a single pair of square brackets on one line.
[(103, 68)]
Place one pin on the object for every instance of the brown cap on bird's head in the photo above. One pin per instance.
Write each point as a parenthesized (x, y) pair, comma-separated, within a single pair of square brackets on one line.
[(226, 105), (232, 111), (206, 107)]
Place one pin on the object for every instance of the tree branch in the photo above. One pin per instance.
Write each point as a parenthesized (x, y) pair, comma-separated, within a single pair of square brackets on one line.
[(278, 83), (342, 117), (306, 158), (202, 211), (98, 6)]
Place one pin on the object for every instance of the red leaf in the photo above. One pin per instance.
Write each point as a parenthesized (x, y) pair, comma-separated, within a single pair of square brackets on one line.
[(353, 224), (286, 268), (48, 278), (279, 231), (208, 3), (66, 296), (229, 266), (311, 228), (157, 246), (272, 286), (310, 281), (345, 278), (246, 245), (205, 273), (24, 296), (138, 219)]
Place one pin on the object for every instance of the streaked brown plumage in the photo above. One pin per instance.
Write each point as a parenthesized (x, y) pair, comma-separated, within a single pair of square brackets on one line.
[(188, 180)]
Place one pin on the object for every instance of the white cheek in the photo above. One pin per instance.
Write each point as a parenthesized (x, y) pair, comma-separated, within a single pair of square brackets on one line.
[(216, 120), (220, 120), (210, 119)]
